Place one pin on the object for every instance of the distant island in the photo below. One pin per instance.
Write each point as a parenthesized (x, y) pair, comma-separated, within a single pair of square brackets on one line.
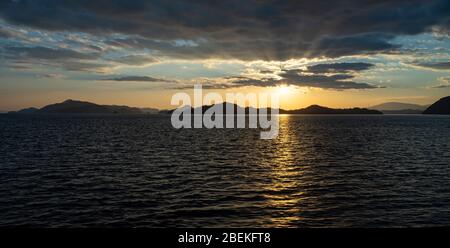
[(316, 109), (399, 108), (441, 107), (80, 107), (313, 109)]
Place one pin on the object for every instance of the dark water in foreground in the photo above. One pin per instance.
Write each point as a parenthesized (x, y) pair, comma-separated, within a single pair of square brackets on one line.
[(136, 171)]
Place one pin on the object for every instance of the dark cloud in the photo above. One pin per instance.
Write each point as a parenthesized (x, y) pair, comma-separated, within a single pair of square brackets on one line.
[(207, 85), (247, 30), (436, 65), (19, 66), (137, 79), (135, 60), (441, 86), (339, 67), (337, 81), (275, 48), (356, 44), (51, 75), (29, 57), (4, 33), (82, 66), (69, 65), (47, 53), (338, 76), (237, 77), (266, 71)]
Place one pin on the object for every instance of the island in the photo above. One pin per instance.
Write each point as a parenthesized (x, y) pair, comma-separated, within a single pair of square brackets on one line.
[(316, 109), (399, 108), (441, 107), (81, 107), (311, 110)]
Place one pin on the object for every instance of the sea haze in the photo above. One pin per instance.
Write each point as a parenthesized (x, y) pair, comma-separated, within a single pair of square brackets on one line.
[(137, 171)]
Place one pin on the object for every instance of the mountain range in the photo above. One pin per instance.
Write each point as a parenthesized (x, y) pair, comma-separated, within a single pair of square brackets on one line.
[(399, 108), (81, 107), (313, 109)]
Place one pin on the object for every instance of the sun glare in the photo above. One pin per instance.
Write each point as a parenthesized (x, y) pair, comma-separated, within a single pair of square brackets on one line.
[(284, 89)]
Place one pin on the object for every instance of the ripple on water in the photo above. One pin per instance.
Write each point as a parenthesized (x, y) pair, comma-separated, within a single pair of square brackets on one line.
[(137, 171)]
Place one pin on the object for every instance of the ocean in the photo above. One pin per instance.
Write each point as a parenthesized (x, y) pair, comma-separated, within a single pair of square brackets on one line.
[(138, 171)]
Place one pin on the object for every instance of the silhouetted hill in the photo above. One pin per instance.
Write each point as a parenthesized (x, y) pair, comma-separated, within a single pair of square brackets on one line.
[(150, 110), (204, 108), (313, 109), (441, 107), (403, 111), (25, 111), (316, 109), (71, 106), (398, 106), (80, 107)]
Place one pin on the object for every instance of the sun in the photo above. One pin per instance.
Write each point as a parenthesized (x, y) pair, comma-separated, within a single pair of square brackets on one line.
[(284, 89)]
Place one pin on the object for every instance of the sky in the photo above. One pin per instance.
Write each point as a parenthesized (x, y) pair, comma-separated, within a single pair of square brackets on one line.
[(349, 53)]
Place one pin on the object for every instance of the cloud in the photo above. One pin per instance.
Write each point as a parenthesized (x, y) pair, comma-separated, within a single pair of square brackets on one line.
[(332, 76), (444, 83), (4, 33), (441, 86), (46, 53), (341, 78), (9, 33), (293, 77), (265, 71), (245, 30), (19, 66), (52, 76), (368, 43), (435, 65), (68, 59), (81, 66), (137, 79), (339, 67), (135, 60)]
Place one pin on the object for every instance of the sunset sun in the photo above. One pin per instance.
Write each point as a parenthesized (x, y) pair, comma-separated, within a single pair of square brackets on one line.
[(284, 89)]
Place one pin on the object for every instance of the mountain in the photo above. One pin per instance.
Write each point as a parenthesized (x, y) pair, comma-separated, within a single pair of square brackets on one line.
[(80, 107), (399, 108), (313, 109), (28, 111), (316, 109), (150, 110), (402, 112), (441, 107), (72, 106), (203, 108), (25, 111)]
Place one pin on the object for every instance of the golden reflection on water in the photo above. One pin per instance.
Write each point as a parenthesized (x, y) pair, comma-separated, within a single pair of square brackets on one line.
[(285, 194)]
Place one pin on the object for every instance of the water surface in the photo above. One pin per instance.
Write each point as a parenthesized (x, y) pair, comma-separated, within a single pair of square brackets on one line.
[(137, 171)]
